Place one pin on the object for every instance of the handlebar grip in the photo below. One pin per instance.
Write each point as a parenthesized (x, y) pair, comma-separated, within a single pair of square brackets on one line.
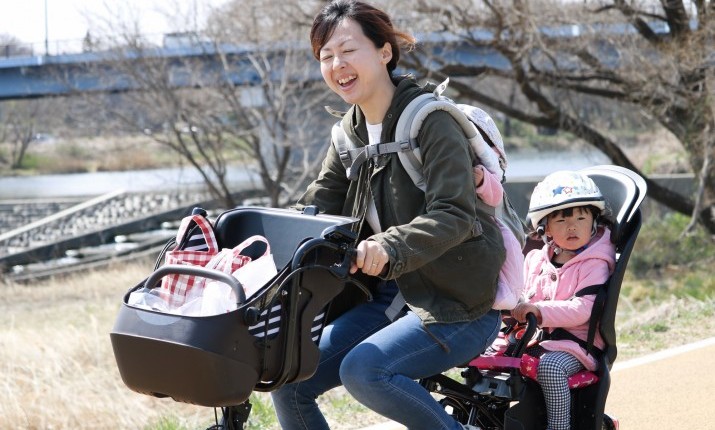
[(531, 326)]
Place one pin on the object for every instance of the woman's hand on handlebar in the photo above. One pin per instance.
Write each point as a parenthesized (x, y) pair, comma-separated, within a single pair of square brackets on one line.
[(371, 258), (520, 311)]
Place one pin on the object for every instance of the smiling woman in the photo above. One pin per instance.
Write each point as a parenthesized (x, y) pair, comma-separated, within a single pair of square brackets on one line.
[(414, 246)]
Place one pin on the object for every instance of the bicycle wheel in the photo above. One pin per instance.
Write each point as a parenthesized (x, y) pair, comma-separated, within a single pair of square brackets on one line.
[(609, 423)]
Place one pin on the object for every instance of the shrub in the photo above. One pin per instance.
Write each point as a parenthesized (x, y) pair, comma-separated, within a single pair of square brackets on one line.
[(661, 244)]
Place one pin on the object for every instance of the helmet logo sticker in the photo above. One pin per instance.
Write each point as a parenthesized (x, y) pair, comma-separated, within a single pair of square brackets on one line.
[(562, 190)]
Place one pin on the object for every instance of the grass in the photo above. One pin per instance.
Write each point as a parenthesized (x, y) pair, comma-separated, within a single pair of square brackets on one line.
[(91, 155), (56, 360), (59, 370)]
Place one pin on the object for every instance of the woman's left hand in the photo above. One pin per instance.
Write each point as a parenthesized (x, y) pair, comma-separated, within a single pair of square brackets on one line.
[(371, 258)]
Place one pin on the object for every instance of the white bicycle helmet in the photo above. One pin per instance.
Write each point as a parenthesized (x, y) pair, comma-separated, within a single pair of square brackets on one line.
[(561, 190)]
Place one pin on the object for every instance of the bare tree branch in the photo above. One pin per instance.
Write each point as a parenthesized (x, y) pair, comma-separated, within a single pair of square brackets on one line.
[(662, 72)]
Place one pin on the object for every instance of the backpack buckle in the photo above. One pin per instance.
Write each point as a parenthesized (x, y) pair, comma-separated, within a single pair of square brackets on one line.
[(407, 145)]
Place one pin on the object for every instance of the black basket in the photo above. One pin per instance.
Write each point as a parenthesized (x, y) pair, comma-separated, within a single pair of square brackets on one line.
[(270, 340)]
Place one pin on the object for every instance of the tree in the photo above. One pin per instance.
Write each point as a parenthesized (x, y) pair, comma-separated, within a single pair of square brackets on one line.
[(650, 58), (19, 120), (193, 105), (10, 46)]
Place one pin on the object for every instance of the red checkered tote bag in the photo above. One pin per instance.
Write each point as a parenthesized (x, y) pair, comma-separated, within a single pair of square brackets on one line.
[(228, 260), (176, 287)]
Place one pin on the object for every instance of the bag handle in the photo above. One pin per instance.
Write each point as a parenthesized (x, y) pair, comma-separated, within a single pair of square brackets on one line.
[(206, 229), (238, 249)]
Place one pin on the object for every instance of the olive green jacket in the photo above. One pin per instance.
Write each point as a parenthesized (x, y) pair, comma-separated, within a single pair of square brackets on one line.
[(445, 254)]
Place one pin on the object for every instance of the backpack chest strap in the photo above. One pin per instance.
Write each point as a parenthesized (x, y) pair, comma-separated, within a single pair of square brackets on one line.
[(352, 158)]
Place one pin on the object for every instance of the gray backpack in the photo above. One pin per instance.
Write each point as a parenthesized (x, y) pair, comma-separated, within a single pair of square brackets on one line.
[(478, 126)]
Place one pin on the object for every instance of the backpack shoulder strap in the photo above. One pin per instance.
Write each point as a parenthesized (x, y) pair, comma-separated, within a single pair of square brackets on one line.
[(410, 122), (343, 145), (412, 160), (415, 114)]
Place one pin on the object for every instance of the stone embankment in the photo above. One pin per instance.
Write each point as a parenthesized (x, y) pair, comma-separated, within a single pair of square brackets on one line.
[(30, 224), (33, 232)]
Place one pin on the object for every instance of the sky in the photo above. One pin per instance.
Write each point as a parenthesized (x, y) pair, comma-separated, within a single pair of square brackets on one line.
[(71, 19)]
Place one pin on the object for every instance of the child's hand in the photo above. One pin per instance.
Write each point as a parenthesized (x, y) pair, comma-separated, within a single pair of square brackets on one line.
[(520, 311)]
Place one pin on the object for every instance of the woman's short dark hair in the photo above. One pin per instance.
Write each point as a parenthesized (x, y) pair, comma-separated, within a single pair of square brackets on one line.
[(375, 23)]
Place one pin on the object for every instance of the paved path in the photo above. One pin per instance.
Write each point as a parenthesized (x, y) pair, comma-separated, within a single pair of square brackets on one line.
[(672, 389)]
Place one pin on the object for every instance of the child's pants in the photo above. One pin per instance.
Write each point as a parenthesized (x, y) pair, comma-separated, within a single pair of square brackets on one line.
[(553, 373)]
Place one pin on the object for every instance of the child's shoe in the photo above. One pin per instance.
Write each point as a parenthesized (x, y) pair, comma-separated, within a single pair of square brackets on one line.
[(470, 427)]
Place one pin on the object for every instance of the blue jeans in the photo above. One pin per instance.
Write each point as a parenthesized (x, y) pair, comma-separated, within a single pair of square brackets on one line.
[(380, 362)]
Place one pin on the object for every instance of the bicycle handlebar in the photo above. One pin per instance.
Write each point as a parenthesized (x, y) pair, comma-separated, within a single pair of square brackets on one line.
[(531, 326)]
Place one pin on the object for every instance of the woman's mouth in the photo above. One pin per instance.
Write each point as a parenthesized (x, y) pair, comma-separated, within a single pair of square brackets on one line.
[(346, 81)]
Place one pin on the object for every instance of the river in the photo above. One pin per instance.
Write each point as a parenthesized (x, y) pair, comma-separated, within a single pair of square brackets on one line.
[(523, 165)]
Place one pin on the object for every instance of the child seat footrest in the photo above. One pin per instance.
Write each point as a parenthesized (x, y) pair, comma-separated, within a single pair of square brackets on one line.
[(580, 379), (495, 362), (528, 365)]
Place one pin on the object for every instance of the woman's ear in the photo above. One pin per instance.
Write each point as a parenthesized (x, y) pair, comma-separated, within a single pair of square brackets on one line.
[(386, 53)]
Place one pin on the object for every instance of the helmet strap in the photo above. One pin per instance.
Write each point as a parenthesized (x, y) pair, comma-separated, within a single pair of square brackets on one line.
[(594, 229), (558, 250)]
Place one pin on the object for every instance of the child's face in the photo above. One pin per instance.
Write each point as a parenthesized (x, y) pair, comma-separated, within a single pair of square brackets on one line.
[(571, 231)]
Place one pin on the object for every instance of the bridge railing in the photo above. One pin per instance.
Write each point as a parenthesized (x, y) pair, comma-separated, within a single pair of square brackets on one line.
[(53, 47)]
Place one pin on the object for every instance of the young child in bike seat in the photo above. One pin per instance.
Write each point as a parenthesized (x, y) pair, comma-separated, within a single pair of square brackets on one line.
[(566, 211)]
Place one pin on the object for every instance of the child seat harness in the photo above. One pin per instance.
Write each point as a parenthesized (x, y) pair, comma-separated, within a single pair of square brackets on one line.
[(562, 334), (479, 129)]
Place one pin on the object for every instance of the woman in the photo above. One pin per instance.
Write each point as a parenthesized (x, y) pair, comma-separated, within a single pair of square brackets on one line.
[(433, 250)]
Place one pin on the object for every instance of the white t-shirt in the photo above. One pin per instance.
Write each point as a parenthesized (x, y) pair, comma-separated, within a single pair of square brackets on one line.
[(373, 132)]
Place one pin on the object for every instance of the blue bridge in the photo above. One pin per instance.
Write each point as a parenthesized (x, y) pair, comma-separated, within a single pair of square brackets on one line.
[(36, 76)]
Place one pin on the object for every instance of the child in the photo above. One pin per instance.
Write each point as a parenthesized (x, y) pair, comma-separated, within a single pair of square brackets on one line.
[(565, 210)]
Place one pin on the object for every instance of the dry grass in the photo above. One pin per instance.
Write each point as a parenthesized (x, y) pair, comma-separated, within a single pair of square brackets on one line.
[(58, 369), (57, 362)]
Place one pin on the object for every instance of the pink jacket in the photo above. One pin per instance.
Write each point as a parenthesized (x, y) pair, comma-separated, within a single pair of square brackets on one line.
[(552, 290), (511, 279)]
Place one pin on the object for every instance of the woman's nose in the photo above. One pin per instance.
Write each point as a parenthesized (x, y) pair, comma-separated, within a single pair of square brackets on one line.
[(337, 61)]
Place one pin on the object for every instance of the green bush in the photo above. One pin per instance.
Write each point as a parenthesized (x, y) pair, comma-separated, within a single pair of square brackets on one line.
[(262, 416), (661, 244), (666, 262)]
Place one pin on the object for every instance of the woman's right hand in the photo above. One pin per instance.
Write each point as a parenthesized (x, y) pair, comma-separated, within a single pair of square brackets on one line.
[(371, 258)]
